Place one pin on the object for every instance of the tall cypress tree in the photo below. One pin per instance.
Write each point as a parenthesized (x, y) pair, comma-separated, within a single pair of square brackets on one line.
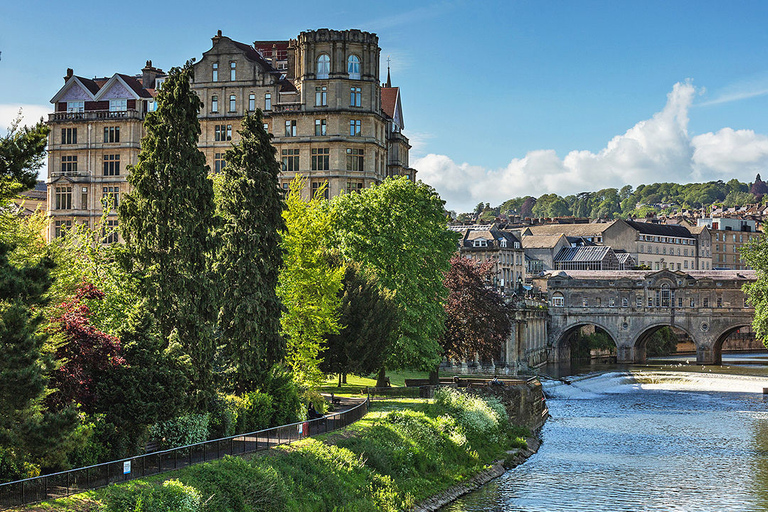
[(167, 222), (250, 207)]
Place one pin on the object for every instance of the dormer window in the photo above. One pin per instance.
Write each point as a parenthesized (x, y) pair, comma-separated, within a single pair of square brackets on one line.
[(503, 242), (517, 245), (323, 66), (118, 105), (353, 67), (480, 243), (159, 83)]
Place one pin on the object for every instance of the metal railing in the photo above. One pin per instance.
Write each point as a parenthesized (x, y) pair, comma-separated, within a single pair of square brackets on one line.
[(90, 115), (74, 481)]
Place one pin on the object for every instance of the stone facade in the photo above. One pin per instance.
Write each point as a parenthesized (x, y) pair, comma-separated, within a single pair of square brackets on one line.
[(332, 120)]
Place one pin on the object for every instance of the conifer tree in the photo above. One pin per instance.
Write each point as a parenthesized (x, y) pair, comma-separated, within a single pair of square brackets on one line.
[(250, 206), (167, 224)]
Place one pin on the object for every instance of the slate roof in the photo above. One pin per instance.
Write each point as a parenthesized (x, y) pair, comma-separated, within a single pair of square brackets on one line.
[(541, 241), (582, 230), (660, 229), (741, 275)]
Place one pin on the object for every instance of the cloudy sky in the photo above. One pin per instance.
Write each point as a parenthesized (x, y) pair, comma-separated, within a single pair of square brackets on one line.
[(501, 98)]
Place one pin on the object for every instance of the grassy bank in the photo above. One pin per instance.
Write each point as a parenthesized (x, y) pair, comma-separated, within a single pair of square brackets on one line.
[(401, 453)]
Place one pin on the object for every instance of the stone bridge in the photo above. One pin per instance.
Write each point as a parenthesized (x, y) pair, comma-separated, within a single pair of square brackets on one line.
[(630, 306)]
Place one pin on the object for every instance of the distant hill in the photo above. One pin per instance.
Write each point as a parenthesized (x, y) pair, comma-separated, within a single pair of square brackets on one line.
[(614, 203)]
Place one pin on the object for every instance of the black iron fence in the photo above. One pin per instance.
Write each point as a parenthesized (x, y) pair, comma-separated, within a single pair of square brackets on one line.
[(74, 481)]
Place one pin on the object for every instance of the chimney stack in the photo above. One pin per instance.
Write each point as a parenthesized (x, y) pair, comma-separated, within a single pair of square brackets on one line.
[(149, 74), (70, 73), (216, 38)]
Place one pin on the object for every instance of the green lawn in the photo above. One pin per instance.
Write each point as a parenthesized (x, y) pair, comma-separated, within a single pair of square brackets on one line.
[(355, 384)]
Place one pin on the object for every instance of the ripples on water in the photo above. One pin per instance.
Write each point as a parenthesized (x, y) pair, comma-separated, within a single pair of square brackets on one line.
[(614, 444)]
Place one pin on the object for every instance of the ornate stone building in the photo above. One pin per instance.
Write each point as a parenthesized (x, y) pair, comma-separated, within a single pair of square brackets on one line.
[(332, 120)]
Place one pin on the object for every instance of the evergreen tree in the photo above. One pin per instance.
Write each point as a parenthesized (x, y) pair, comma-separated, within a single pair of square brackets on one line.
[(369, 320), (250, 207), (167, 221)]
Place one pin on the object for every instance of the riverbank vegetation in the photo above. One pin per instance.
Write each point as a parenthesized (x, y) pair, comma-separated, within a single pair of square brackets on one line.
[(402, 452)]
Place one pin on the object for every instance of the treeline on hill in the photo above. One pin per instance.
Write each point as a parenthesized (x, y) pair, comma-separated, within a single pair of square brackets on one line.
[(226, 305), (612, 203)]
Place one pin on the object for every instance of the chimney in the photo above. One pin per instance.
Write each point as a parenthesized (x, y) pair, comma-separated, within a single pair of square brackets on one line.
[(70, 73), (149, 74), (216, 38)]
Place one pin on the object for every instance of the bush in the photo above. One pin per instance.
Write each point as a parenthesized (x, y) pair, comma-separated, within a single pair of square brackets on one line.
[(254, 411), (172, 496), (223, 414), (13, 467), (286, 401), (180, 431), (479, 416)]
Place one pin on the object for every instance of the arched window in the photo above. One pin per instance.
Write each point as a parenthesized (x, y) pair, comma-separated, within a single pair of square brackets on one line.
[(558, 300), (323, 66), (353, 67)]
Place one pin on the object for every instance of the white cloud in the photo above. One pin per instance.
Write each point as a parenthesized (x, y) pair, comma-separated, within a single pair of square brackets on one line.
[(654, 150)]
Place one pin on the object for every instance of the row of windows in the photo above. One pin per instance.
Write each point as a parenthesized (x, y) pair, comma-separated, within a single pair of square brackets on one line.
[(324, 67), (118, 105), (321, 128), (111, 165), (650, 249), (662, 265), (232, 71), (63, 197), (733, 237), (667, 240), (321, 100), (321, 159)]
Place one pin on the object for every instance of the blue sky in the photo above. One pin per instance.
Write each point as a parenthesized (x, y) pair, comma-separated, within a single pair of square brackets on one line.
[(501, 99)]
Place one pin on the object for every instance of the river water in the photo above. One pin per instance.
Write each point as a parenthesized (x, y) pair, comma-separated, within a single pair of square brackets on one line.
[(648, 440)]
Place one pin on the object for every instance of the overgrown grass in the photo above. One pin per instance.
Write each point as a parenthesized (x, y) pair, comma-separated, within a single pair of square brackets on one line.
[(402, 452)]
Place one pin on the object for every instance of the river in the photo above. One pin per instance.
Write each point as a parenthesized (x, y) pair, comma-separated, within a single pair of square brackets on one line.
[(643, 440)]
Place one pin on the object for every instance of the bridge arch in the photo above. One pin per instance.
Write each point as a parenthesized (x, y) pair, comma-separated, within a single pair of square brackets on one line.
[(561, 349), (641, 340), (720, 339)]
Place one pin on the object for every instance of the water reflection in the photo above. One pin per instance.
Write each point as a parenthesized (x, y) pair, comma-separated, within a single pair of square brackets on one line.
[(615, 445)]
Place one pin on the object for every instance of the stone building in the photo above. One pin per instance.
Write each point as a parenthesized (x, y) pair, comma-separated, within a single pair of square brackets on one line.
[(484, 243), (729, 235), (332, 120)]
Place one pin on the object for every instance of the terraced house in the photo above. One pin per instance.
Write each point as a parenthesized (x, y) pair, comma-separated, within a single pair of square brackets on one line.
[(332, 120)]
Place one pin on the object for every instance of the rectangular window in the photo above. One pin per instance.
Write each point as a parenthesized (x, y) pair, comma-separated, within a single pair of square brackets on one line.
[(355, 97), (215, 74), (64, 197), (266, 127), (75, 106), (650, 302), (316, 186), (118, 105), (290, 128), (719, 302), (69, 135), (354, 186), (321, 159), (290, 160), (69, 164), (84, 198), (61, 227), (354, 159), (233, 70), (214, 103), (111, 134), (110, 194), (693, 302), (111, 165), (251, 102), (679, 302), (109, 232), (320, 126), (232, 103), (268, 101), (218, 162), (321, 96), (705, 302), (639, 301), (354, 127), (222, 132)]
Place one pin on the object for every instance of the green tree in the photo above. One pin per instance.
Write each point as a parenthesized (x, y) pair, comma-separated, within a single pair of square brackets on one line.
[(22, 151), (29, 434), (166, 222), (250, 206), (369, 320), (309, 283), (399, 230), (755, 254)]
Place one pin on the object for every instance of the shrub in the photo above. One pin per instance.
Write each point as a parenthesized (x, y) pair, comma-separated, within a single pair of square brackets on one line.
[(254, 411), (287, 403), (484, 416), (172, 496), (13, 467), (223, 414), (180, 431)]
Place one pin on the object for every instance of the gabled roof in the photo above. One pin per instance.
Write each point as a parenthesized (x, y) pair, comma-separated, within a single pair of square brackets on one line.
[(582, 230), (390, 105), (543, 241), (90, 87), (129, 83)]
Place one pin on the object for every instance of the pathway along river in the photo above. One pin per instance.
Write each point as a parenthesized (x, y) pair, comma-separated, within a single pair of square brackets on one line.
[(649, 440)]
